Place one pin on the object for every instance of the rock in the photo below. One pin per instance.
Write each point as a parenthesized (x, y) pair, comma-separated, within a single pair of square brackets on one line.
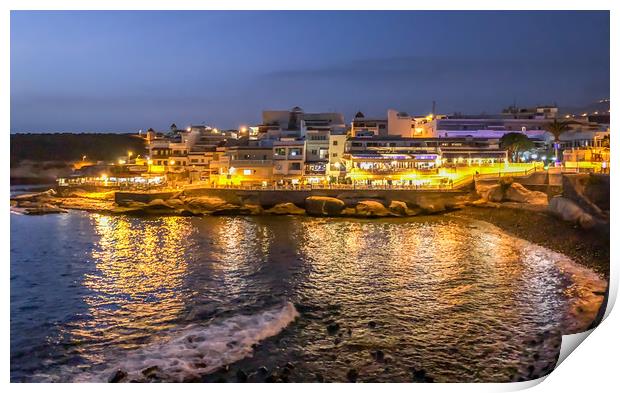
[(289, 365), (319, 377), (568, 210), (400, 208), (419, 375), (323, 206), (117, 376), (270, 378), (151, 371), (484, 203), (208, 204), (371, 209), (35, 196), (242, 376), (518, 193), (352, 375), (431, 206), (286, 208), (253, 209), (43, 209), (372, 324), (263, 370), (332, 328), (379, 355), (175, 203)]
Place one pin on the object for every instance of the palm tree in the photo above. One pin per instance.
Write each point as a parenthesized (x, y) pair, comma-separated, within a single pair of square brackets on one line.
[(557, 128)]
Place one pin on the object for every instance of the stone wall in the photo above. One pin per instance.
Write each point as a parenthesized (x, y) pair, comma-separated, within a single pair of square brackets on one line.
[(269, 198)]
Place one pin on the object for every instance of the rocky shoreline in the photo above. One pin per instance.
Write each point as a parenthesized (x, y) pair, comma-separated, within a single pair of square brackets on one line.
[(589, 247), (560, 224)]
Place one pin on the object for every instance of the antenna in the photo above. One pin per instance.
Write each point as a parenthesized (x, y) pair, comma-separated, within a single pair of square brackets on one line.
[(433, 112)]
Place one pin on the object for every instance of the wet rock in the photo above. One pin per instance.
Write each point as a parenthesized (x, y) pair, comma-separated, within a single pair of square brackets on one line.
[(289, 365), (333, 328), (284, 378), (151, 371), (241, 376), (402, 209), (323, 206), (220, 380), (352, 375), (319, 377), (43, 209), (431, 206), (285, 371), (286, 208), (263, 370), (369, 209), (117, 376), (270, 378)]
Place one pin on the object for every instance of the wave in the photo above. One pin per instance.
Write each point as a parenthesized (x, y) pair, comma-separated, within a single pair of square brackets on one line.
[(197, 350)]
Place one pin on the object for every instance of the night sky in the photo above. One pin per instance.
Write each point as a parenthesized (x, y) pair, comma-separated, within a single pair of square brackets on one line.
[(124, 71)]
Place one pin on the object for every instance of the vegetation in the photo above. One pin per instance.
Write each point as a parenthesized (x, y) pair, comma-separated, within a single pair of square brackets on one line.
[(557, 128), (68, 147), (515, 142)]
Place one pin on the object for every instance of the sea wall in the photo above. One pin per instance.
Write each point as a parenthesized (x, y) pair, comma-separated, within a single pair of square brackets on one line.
[(269, 198)]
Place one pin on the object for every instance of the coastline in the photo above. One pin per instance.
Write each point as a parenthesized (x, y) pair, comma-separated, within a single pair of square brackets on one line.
[(586, 247)]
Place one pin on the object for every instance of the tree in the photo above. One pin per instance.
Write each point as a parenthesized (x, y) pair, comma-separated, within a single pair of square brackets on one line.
[(605, 141), (557, 128), (515, 142)]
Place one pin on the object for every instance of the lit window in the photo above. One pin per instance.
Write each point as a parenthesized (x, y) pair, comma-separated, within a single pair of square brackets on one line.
[(247, 171)]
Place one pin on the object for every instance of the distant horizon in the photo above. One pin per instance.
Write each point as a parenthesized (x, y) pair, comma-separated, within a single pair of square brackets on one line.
[(121, 71)]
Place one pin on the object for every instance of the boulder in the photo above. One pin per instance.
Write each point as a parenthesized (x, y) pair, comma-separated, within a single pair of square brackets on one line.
[(285, 208), (568, 210), (206, 203), (35, 196), (253, 209), (518, 193), (430, 206), (159, 204), (43, 209), (323, 206), (370, 209), (400, 208), (175, 203)]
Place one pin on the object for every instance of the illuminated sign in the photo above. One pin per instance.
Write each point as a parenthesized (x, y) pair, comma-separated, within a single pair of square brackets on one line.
[(316, 168)]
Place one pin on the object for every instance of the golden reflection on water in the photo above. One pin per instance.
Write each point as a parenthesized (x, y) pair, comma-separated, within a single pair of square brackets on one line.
[(138, 283)]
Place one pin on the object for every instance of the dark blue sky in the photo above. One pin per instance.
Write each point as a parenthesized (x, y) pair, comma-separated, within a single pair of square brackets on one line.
[(122, 71)]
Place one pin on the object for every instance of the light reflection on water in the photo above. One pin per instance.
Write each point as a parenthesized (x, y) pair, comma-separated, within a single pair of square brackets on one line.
[(457, 298)]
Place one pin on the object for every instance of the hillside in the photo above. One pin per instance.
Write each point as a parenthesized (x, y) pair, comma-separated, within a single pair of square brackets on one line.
[(68, 147)]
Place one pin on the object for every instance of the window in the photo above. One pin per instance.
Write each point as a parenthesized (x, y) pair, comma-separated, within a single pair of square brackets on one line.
[(314, 151), (334, 154), (280, 151), (247, 172), (294, 151), (295, 166), (335, 143)]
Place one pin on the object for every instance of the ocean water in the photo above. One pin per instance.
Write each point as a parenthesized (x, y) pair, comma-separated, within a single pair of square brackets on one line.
[(200, 298)]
